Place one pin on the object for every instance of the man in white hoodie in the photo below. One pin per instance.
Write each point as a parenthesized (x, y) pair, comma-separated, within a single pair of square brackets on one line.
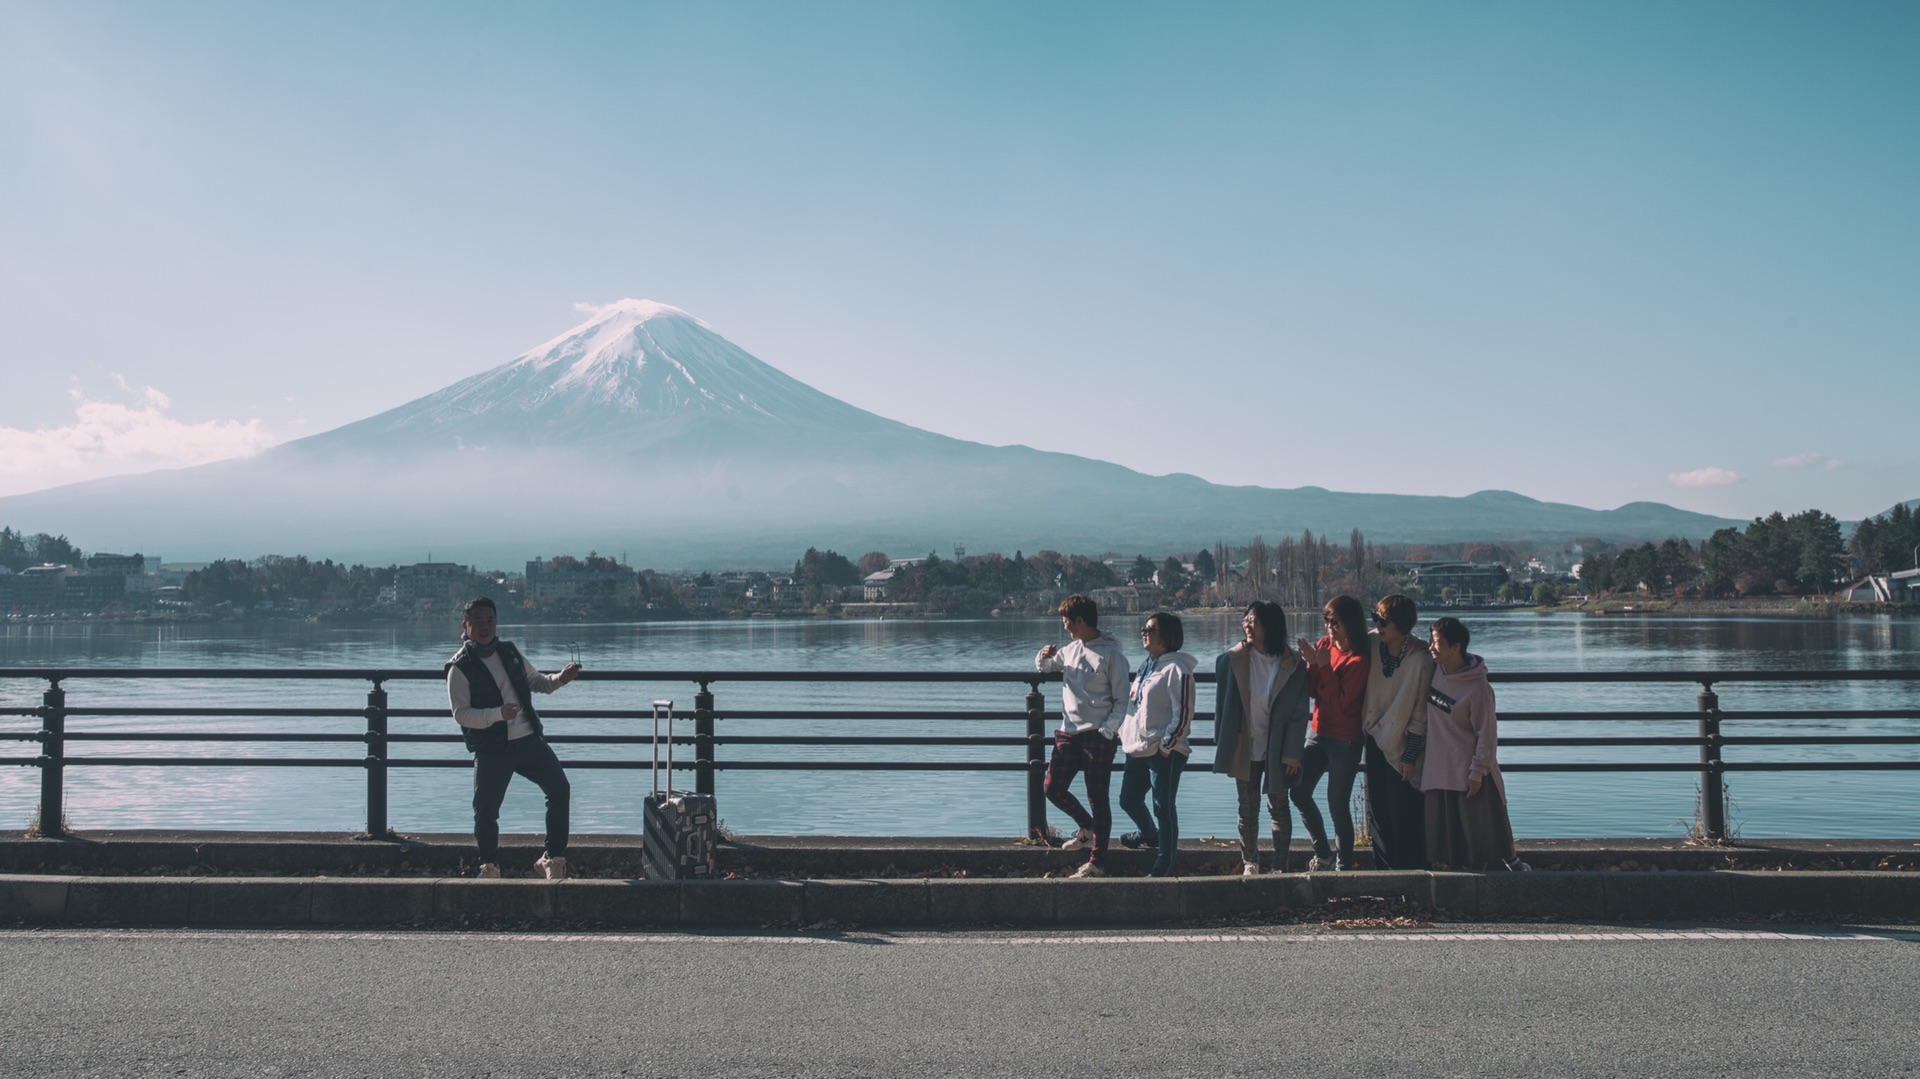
[(1093, 691)]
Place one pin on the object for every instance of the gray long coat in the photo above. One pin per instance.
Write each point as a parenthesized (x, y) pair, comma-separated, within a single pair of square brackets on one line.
[(1233, 698)]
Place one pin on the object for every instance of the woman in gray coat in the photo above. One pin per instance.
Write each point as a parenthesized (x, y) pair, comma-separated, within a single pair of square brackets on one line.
[(1260, 712)]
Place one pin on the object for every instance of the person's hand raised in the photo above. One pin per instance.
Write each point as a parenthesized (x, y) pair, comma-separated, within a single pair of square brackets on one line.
[(509, 711), (1315, 655)]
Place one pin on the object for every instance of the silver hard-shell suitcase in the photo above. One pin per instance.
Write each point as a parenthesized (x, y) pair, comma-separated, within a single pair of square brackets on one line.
[(680, 825)]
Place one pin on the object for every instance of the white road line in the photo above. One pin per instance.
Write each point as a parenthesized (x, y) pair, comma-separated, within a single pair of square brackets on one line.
[(962, 939)]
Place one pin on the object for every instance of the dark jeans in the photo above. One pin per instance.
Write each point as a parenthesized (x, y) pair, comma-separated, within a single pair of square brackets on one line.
[(1090, 752), (1340, 763), (494, 767), (1277, 811), (1160, 774), (1397, 812)]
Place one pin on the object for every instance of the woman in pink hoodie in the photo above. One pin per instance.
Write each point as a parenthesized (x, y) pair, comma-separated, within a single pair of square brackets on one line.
[(1467, 823)]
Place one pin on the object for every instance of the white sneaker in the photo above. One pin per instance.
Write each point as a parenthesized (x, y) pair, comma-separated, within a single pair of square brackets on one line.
[(1079, 839), (552, 868), (1317, 864), (1249, 869), (1089, 870), (488, 871)]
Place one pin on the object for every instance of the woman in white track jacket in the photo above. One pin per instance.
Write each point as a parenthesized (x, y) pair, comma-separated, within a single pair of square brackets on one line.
[(1154, 738)]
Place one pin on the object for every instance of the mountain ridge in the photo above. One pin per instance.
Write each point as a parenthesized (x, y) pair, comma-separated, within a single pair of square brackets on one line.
[(644, 429)]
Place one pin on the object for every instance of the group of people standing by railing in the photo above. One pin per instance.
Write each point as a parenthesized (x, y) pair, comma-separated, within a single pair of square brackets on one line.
[(1416, 716)]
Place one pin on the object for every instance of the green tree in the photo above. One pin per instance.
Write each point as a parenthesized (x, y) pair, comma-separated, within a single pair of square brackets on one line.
[(1545, 595), (825, 568), (1203, 566), (1173, 575)]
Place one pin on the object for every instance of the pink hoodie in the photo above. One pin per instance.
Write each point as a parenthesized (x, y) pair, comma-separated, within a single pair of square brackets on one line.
[(1462, 734)]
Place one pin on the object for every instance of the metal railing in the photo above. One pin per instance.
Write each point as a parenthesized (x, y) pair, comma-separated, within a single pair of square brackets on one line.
[(1706, 720)]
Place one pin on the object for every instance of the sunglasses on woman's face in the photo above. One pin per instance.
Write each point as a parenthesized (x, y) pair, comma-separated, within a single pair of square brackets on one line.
[(1379, 619)]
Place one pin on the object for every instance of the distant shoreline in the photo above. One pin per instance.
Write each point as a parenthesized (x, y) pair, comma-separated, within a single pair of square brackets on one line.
[(1615, 607)]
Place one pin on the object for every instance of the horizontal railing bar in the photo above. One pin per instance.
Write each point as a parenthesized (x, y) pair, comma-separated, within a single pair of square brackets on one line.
[(198, 762), (723, 676), (1821, 740), (231, 713), (1825, 713), (437, 674), (924, 766), (1601, 740), (1821, 766), (211, 736), (857, 740)]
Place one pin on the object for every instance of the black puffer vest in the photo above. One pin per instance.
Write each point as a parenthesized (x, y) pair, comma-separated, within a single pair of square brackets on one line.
[(485, 692)]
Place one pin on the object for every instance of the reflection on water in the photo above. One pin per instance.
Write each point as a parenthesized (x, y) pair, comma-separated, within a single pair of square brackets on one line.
[(1866, 804)]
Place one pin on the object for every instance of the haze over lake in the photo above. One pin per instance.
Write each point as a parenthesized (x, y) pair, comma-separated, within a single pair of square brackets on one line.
[(1763, 805)]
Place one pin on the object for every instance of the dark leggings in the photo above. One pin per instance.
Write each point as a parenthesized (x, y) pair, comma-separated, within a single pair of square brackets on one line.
[(1340, 763), (494, 767)]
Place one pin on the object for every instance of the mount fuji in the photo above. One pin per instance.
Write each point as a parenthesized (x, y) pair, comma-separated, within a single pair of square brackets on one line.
[(643, 430)]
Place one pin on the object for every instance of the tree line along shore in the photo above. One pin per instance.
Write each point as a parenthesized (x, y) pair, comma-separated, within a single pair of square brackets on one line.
[(1776, 564)]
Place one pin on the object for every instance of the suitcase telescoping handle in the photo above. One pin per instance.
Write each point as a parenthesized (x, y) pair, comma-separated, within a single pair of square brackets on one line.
[(662, 709)]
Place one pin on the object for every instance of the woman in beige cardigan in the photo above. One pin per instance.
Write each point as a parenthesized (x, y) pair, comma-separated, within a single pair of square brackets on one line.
[(1260, 712), (1394, 718)]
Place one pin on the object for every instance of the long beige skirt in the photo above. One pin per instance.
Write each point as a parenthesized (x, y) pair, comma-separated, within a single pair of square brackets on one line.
[(1469, 833)]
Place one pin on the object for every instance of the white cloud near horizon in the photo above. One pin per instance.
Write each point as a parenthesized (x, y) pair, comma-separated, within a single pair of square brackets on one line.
[(1704, 477), (108, 438), (1809, 460)]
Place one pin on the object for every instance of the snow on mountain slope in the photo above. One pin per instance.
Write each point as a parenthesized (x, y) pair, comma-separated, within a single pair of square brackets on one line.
[(636, 375)]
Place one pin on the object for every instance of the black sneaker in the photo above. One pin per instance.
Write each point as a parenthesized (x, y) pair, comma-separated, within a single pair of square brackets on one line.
[(1136, 840)]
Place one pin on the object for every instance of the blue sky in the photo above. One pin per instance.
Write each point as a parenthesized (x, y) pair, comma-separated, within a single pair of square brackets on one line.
[(1592, 253)]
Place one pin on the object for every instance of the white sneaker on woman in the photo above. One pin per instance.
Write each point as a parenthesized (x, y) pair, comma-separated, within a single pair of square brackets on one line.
[(552, 868), (1249, 869), (1078, 840), (488, 871)]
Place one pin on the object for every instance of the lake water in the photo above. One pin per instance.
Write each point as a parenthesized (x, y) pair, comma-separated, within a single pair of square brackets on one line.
[(1762, 805)]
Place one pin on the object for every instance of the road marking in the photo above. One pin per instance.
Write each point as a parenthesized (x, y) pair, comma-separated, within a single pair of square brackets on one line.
[(933, 938)]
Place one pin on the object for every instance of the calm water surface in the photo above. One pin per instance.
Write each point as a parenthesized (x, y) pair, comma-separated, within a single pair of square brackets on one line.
[(1856, 804)]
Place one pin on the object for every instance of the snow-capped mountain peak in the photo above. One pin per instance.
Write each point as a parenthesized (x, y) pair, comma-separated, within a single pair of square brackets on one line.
[(610, 325), (635, 372)]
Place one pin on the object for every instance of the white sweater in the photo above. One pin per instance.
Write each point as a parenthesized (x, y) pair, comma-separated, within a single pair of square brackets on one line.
[(1093, 684)]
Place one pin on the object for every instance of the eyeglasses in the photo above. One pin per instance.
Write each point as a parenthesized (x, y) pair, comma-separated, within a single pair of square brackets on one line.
[(1148, 631), (1380, 619)]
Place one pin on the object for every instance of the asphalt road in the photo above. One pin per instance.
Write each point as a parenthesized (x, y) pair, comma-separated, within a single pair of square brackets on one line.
[(1478, 1002)]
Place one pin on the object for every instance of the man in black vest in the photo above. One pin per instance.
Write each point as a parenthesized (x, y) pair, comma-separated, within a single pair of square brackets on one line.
[(491, 687)]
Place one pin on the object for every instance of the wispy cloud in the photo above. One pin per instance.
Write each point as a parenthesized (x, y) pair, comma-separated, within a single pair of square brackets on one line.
[(108, 438), (1704, 477), (1810, 460)]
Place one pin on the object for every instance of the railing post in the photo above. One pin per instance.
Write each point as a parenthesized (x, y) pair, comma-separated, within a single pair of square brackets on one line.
[(702, 741), (1713, 790), (1036, 762), (53, 756), (377, 762)]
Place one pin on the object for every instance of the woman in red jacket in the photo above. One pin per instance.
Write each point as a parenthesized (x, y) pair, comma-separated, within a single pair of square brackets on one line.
[(1337, 677)]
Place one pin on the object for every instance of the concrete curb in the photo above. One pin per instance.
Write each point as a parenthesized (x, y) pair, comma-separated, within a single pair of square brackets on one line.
[(832, 857), (322, 902)]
